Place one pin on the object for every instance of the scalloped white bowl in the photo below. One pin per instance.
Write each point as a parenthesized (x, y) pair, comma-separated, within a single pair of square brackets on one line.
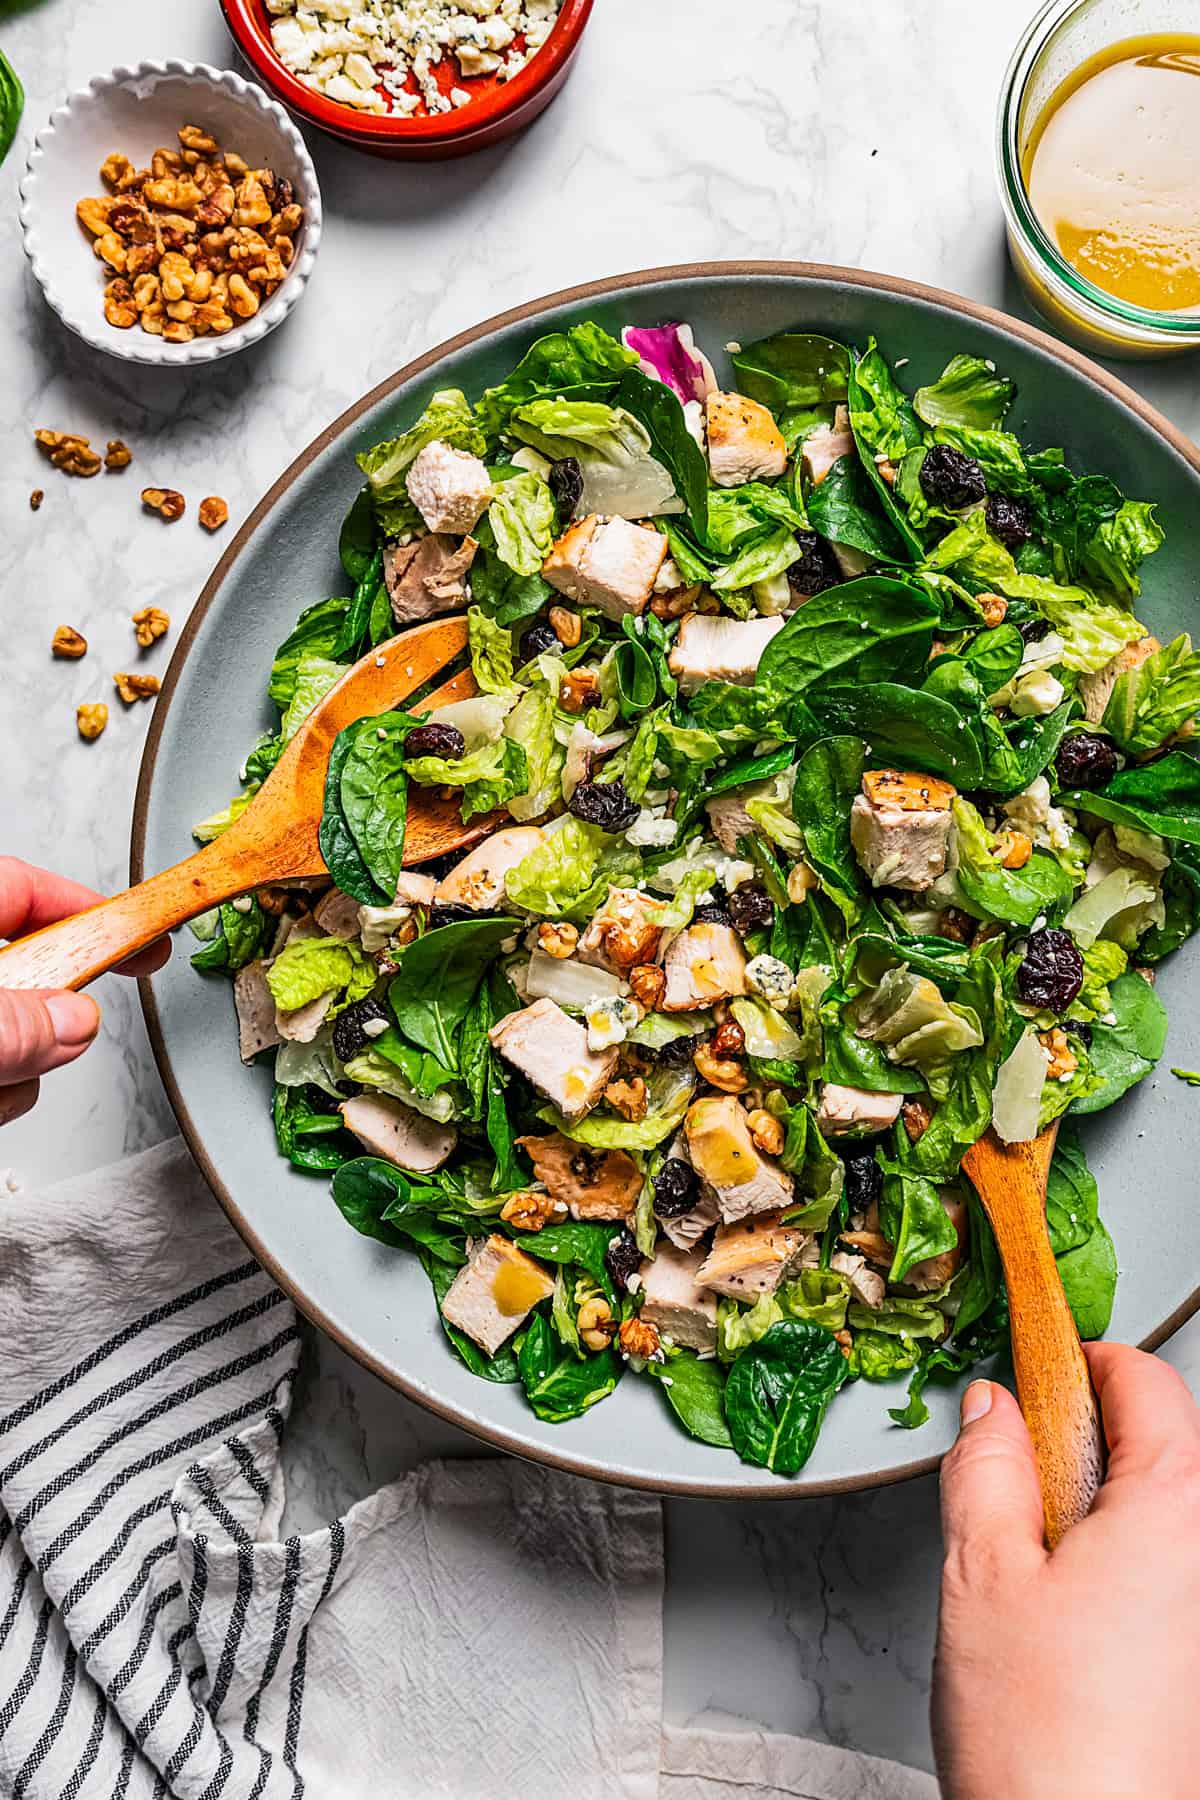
[(137, 110)]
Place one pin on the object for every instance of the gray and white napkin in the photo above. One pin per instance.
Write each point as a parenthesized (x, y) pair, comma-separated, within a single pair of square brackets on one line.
[(479, 1630)]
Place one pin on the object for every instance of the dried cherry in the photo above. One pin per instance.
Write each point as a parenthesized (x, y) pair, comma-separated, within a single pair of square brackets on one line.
[(603, 803), (675, 1188), (1051, 973), (950, 479), (750, 907), (817, 566), (622, 1259), (435, 740), (565, 481), (538, 638), (864, 1180), (1009, 520), (349, 1037), (1086, 760)]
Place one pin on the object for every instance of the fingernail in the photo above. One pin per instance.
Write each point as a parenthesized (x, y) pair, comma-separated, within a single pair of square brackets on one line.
[(76, 1018), (976, 1402)]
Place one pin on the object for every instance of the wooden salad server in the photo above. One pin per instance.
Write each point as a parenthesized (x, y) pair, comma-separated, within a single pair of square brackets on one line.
[(275, 839), (1053, 1383)]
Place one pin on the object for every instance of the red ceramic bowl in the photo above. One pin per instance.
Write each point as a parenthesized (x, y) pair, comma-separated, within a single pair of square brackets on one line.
[(500, 109)]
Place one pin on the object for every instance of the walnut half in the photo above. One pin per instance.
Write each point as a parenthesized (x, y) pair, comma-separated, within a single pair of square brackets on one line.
[(166, 502), (68, 643), (136, 687), (149, 624), (91, 718), (214, 512)]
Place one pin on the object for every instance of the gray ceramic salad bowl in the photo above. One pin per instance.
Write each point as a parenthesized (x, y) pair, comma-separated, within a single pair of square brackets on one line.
[(374, 1301)]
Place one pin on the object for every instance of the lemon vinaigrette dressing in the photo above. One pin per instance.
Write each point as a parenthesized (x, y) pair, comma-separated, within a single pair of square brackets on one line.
[(1112, 170)]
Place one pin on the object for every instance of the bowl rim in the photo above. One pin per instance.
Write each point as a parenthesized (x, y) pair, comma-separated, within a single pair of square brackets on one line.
[(530, 311), (138, 346), (381, 130)]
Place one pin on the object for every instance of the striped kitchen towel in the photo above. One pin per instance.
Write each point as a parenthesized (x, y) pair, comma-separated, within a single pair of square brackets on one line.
[(480, 1630)]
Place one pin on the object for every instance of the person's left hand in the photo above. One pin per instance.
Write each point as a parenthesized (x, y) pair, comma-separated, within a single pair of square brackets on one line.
[(43, 1028)]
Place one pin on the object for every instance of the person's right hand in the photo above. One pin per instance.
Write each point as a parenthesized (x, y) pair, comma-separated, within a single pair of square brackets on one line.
[(41, 1029), (1073, 1673)]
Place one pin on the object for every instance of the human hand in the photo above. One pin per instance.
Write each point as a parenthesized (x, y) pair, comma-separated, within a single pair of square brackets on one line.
[(41, 1029), (1073, 1672)]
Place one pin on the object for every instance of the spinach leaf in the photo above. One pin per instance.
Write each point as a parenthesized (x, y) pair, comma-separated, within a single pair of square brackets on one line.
[(384, 1203), (580, 1243), (637, 677), (502, 1367), (884, 424), (351, 639), (913, 1218), (984, 1277), (1124, 1054), (1017, 896), (337, 842), (1089, 1278), (581, 363), (852, 1061), (503, 594), (904, 726), (12, 103), (1162, 796), (657, 407), (310, 1137), (315, 633), (995, 656), (846, 510), (944, 1363), (557, 1384), (1071, 1196), (828, 777), (778, 1391), (695, 1392), (242, 934), (1025, 749), (373, 795), (494, 999), (791, 374), (881, 625), (356, 540), (438, 978), (1181, 899)]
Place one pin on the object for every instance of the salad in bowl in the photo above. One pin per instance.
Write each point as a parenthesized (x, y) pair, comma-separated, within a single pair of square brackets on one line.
[(840, 809)]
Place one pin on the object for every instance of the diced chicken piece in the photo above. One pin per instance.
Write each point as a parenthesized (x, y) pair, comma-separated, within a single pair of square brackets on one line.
[(872, 1244), (427, 577), (478, 880), (846, 1109), (936, 1271), (826, 446), (753, 1257), (448, 487), (387, 1128), (726, 1158), (592, 1184), (1095, 691), (551, 1050), (704, 963), (301, 1025), (865, 1284), (744, 442), (688, 1228), (621, 934), (495, 1293), (255, 1011), (413, 889), (729, 820), (337, 914), (900, 828), (712, 648), (675, 1302), (606, 563)]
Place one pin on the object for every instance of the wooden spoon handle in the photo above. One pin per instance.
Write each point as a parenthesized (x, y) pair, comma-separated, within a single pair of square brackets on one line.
[(1054, 1388), (77, 950)]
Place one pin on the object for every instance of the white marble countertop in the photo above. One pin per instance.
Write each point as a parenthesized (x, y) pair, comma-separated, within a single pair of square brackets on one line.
[(847, 131)]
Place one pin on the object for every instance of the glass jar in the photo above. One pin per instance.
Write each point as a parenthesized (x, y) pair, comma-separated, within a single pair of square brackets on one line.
[(1059, 40)]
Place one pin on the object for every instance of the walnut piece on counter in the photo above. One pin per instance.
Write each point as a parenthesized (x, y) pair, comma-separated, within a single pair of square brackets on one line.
[(68, 643), (214, 512), (91, 718), (118, 454), (168, 503), (69, 452), (136, 687), (149, 624), (36, 498)]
